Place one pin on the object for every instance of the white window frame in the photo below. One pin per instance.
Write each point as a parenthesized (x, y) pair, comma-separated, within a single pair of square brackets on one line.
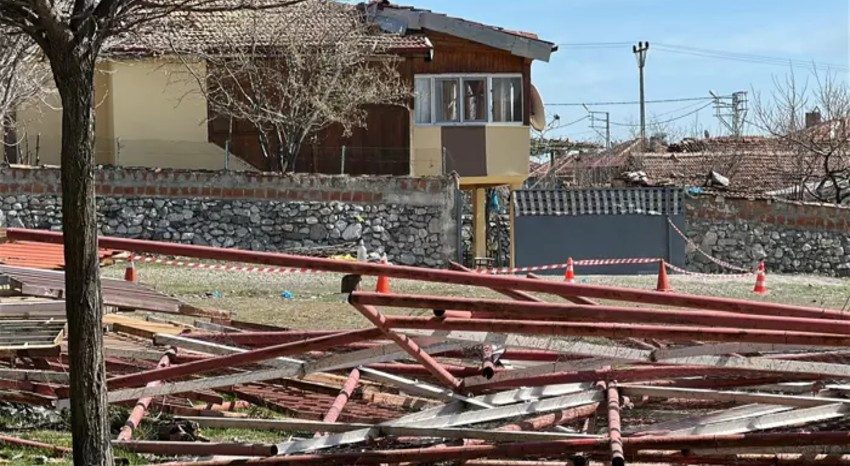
[(461, 104)]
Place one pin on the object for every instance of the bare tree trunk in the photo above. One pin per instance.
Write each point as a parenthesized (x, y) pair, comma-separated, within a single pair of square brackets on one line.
[(74, 70)]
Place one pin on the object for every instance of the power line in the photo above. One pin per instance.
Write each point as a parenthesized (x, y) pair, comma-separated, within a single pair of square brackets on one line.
[(748, 57), (632, 125), (629, 102), (714, 53)]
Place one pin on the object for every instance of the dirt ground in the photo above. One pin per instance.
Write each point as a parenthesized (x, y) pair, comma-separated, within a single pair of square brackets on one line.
[(317, 303)]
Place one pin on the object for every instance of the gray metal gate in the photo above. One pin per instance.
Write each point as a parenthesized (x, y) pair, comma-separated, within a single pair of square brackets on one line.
[(610, 223)]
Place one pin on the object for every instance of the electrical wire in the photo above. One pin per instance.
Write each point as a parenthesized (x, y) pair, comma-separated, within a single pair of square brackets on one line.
[(631, 102), (570, 123), (669, 120), (747, 57)]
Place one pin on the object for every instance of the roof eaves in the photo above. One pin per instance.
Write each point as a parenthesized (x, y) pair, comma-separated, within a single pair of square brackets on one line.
[(516, 44)]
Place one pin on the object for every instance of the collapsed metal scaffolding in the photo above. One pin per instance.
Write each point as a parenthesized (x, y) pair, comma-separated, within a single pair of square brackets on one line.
[(643, 376)]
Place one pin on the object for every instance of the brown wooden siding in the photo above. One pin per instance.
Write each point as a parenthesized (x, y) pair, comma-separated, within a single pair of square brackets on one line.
[(383, 147)]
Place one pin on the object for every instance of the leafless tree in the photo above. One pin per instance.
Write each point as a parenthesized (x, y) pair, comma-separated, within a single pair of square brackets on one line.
[(292, 75), (22, 79), (821, 151), (70, 35)]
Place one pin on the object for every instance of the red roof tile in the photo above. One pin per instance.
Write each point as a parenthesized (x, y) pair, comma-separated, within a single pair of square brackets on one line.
[(38, 255)]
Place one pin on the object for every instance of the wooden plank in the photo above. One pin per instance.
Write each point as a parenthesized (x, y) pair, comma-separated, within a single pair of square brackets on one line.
[(34, 375), (145, 328), (32, 310), (723, 348)]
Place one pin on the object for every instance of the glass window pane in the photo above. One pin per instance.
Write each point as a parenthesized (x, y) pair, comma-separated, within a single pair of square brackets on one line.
[(448, 99), (422, 102), (507, 99), (475, 99)]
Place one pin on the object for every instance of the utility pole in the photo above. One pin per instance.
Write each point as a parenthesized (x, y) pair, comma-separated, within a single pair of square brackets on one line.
[(640, 54)]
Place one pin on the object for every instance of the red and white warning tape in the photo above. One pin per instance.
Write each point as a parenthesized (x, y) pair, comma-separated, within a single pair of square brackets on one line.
[(582, 262), (493, 271), (222, 267), (708, 256), (708, 275)]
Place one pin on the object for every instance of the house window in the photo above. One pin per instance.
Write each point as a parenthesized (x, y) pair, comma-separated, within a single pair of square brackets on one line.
[(422, 104), (468, 99), (448, 99), (507, 100), (474, 99)]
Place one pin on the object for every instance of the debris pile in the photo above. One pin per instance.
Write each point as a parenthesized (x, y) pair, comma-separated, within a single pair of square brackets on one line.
[(553, 373)]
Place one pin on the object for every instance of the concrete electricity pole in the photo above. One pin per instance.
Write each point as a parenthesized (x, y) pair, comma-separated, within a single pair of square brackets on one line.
[(640, 54)]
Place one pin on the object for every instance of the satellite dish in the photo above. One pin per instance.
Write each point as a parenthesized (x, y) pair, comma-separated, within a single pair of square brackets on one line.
[(538, 113)]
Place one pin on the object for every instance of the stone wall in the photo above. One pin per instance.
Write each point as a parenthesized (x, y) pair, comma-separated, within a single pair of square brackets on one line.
[(413, 220), (790, 237)]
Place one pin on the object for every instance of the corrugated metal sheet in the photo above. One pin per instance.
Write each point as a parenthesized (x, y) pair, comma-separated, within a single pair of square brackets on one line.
[(39, 255)]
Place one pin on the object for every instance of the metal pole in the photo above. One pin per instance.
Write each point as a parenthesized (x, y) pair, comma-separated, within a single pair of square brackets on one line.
[(607, 130), (342, 161), (442, 276), (617, 331), (640, 54), (240, 359), (227, 155), (141, 407), (342, 399), (614, 438), (599, 313)]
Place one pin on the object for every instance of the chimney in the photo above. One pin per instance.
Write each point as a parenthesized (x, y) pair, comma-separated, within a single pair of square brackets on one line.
[(812, 118)]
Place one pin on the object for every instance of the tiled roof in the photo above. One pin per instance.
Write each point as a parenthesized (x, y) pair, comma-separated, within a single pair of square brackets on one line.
[(751, 171), (217, 28), (39, 255)]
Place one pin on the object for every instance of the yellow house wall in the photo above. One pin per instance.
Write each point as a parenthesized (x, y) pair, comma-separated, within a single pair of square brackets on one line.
[(39, 124), (159, 116), (508, 149), (426, 153), (148, 113)]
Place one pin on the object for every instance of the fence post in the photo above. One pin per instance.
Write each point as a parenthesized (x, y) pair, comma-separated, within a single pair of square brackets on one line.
[(443, 170), (342, 161)]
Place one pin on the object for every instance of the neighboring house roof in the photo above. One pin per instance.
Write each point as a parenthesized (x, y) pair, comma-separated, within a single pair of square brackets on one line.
[(520, 43), (398, 29), (265, 22)]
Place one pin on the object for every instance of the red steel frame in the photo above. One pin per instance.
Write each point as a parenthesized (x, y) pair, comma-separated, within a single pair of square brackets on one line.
[(141, 406), (443, 276)]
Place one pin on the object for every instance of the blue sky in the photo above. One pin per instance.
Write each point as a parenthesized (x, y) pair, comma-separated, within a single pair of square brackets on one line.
[(810, 30)]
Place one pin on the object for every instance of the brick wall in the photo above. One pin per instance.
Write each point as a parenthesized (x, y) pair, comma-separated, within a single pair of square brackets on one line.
[(791, 237), (413, 220), (233, 185)]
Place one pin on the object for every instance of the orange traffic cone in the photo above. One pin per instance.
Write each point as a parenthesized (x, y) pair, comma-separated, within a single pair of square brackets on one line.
[(663, 283), (569, 275), (130, 272), (761, 285), (383, 285)]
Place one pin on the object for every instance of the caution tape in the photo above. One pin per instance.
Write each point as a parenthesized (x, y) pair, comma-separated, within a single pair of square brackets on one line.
[(580, 263), (708, 256), (221, 267), (707, 275), (492, 271)]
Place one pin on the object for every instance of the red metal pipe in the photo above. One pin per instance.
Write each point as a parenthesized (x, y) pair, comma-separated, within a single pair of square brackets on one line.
[(553, 448), (619, 331), (342, 399), (196, 448), (31, 444), (442, 276), (488, 367), (597, 313), (572, 299), (141, 407), (261, 338), (614, 437), (410, 347), (241, 359)]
